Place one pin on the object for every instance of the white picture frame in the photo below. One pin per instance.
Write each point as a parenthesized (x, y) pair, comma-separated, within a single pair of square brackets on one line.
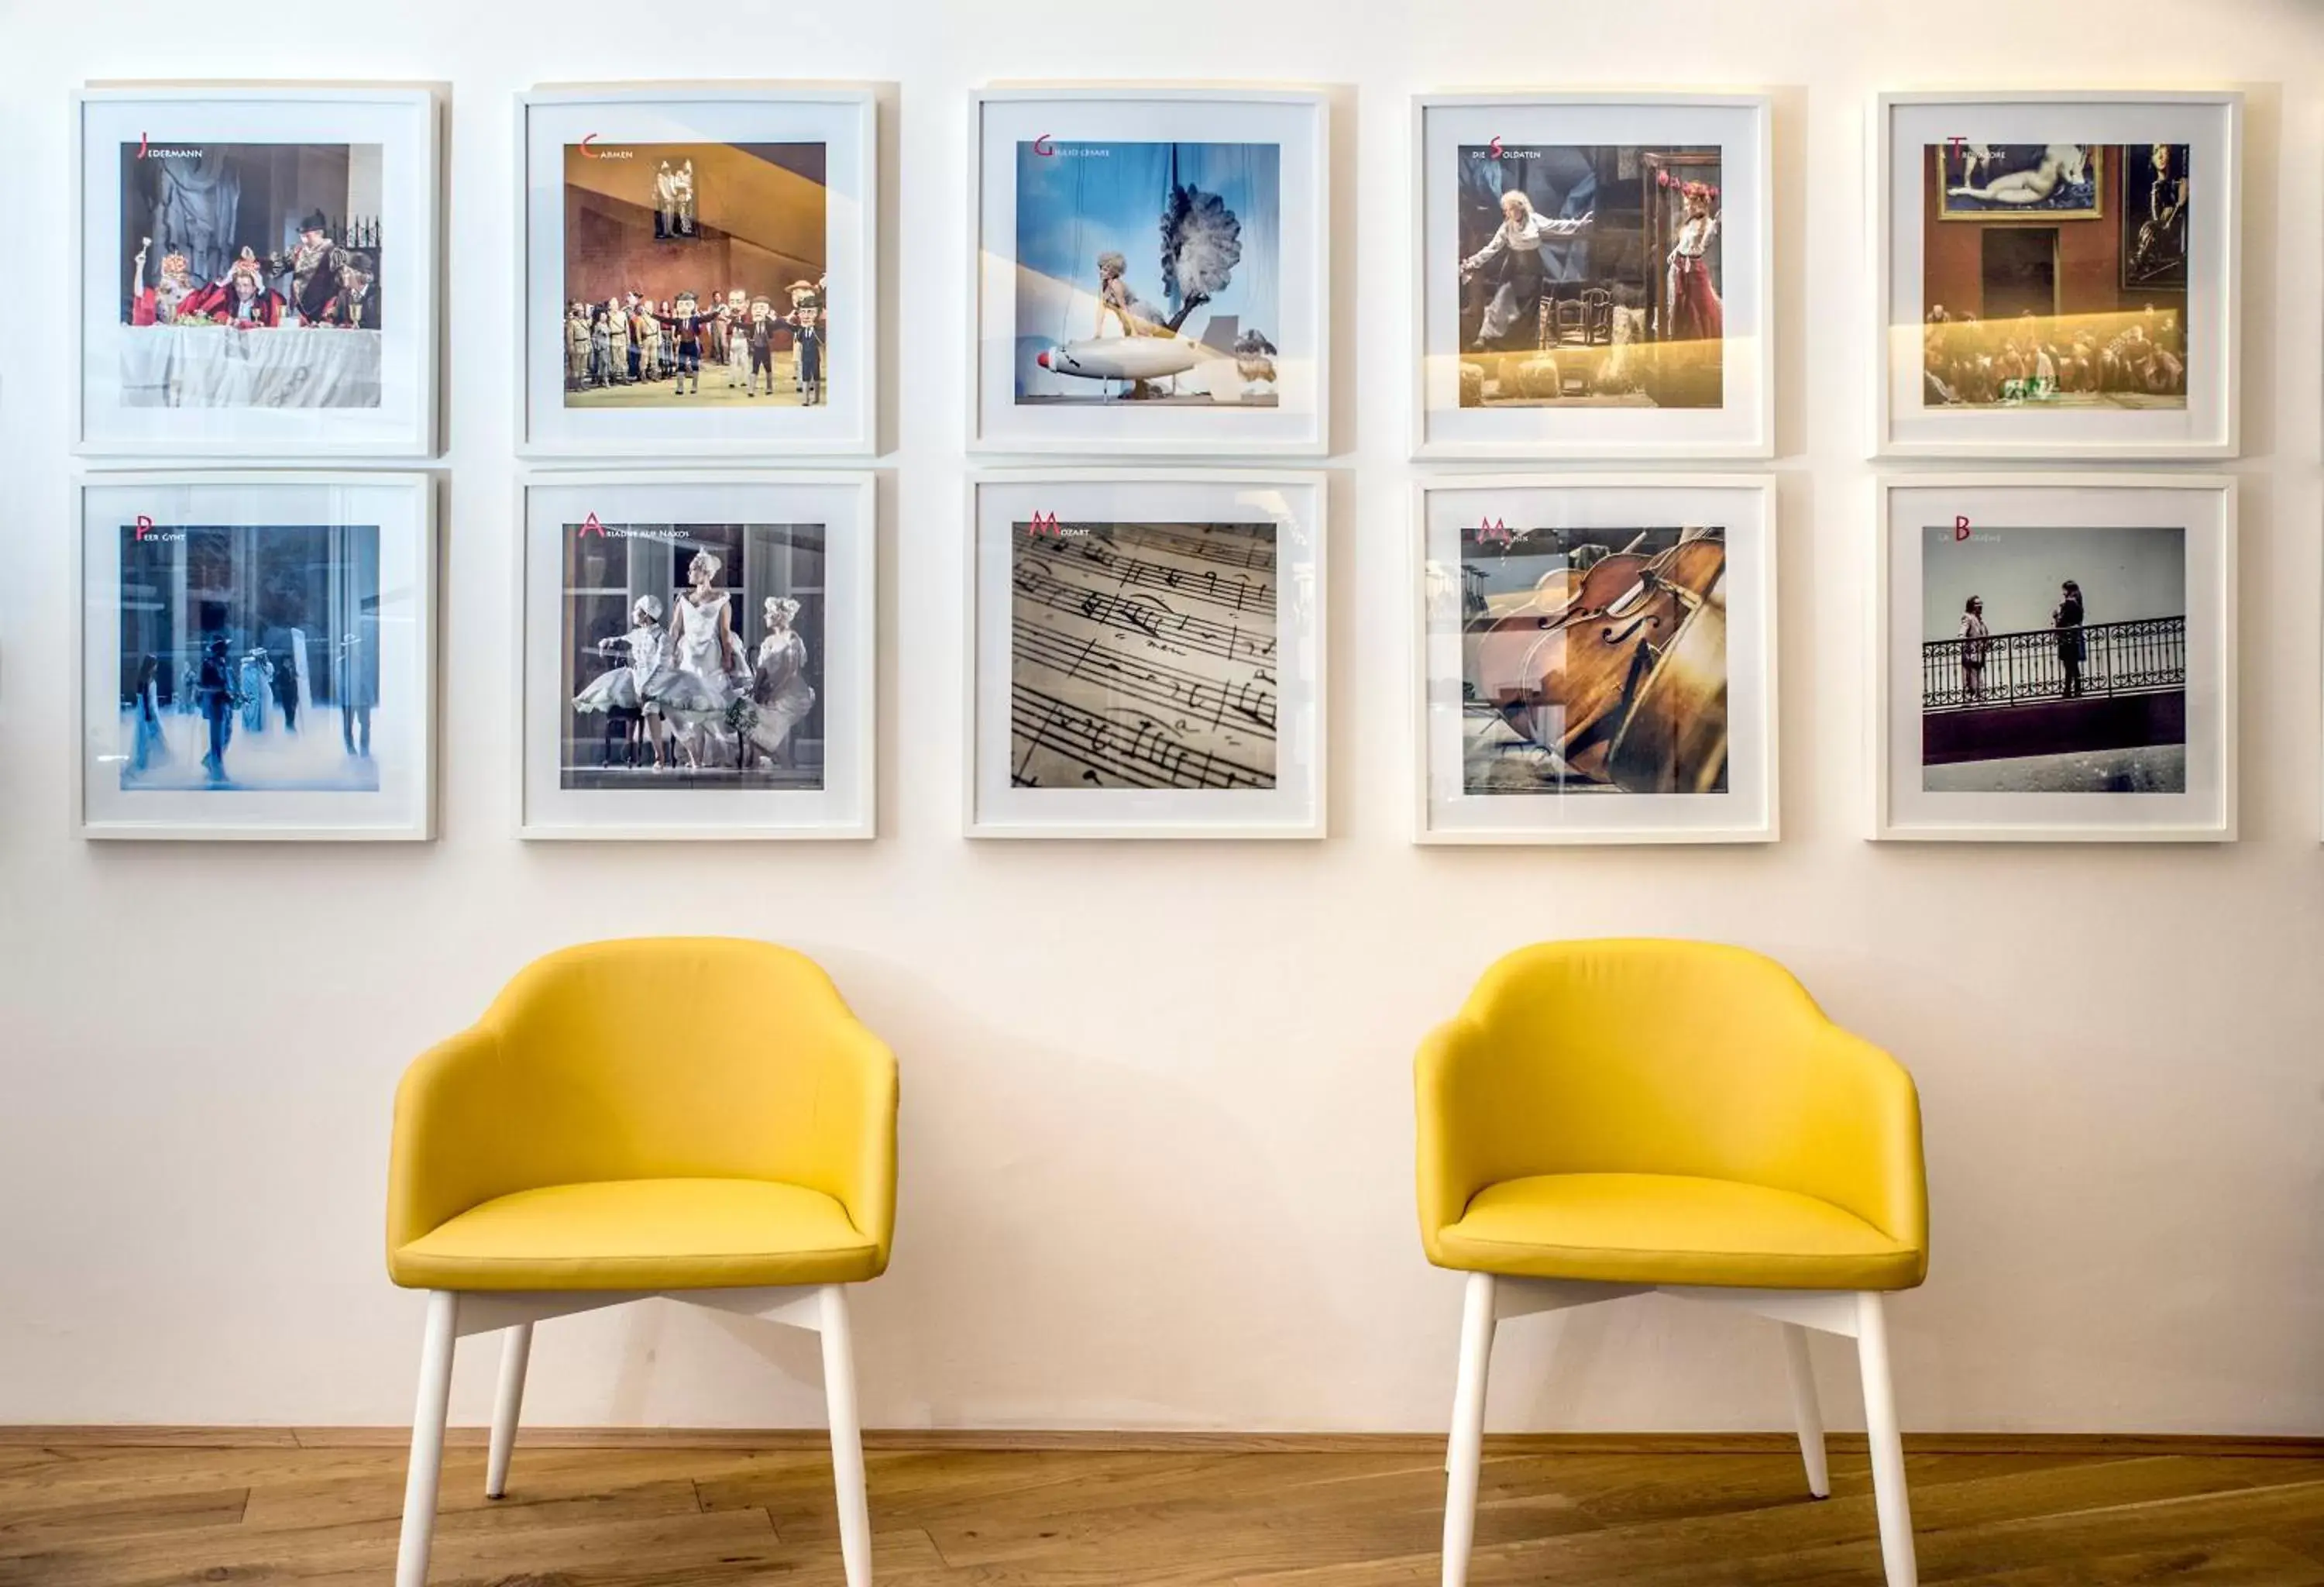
[(1579, 424), (1483, 776), (200, 393), (2123, 524), (610, 119), (834, 571), (1213, 410), (1166, 597), (2208, 308), (358, 617)]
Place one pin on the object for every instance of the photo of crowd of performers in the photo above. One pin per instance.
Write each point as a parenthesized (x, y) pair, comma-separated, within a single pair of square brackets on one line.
[(2055, 275), (693, 656), (1589, 274), (251, 237), (695, 275), (633, 346), (249, 657)]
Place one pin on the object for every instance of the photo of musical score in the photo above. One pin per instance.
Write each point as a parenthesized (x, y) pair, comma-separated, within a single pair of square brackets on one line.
[(1142, 655)]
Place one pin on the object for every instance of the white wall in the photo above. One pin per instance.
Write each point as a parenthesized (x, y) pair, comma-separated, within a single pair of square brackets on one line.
[(1158, 1129)]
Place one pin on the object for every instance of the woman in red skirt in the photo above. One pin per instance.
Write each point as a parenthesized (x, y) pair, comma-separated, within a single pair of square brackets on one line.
[(1695, 311)]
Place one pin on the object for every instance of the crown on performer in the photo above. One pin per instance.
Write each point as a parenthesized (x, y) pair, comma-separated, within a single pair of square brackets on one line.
[(246, 263), (175, 263)]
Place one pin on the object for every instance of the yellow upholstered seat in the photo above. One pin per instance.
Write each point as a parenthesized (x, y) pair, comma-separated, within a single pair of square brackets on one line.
[(691, 1116), (644, 1234), (1672, 1229)]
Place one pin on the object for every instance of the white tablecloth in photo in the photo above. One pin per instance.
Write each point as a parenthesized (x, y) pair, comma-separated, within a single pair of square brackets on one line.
[(218, 367)]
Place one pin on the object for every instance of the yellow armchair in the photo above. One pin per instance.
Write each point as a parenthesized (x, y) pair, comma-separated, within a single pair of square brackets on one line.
[(695, 1117), (1607, 1118), (725, 1071)]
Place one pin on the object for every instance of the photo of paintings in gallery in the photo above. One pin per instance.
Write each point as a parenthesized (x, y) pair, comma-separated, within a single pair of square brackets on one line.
[(2053, 659), (250, 658), (1592, 660), (1589, 274), (692, 655), (1143, 655), (695, 275), (1147, 272), (250, 274), (2055, 275)]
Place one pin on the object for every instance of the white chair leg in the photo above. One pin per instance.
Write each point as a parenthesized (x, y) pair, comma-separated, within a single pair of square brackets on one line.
[(427, 1439), (1493, 1326), (846, 1437), (1805, 1413), (1466, 1448), (516, 1351), (1889, 1497)]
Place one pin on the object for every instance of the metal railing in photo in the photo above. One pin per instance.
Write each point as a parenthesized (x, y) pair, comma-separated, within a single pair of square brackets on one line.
[(2144, 656)]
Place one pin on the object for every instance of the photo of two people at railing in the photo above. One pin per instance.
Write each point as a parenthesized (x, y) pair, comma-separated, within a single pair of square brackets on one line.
[(2054, 659)]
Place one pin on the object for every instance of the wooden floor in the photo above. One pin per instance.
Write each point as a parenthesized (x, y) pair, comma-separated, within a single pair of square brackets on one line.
[(84, 1514)]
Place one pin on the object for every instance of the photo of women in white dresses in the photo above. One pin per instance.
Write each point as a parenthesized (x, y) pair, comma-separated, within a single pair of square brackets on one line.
[(691, 655)]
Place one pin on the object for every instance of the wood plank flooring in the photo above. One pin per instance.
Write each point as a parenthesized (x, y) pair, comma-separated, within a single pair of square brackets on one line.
[(281, 1509)]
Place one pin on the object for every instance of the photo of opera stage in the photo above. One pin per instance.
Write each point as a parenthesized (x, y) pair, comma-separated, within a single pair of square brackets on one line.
[(740, 227)]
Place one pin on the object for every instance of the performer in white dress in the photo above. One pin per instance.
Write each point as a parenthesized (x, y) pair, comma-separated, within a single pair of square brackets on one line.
[(780, 695), (1506, 277), (622, 688), (698, 680), (738, 339)]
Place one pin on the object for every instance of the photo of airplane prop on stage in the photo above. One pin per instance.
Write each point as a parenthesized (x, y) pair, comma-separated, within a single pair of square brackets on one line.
[(1139, 351), (1225, 374)]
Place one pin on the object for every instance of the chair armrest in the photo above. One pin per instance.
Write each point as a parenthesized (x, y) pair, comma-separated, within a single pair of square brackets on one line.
[(853, 1141), (1451, 1124), (447, 1131), (1861, 1141)]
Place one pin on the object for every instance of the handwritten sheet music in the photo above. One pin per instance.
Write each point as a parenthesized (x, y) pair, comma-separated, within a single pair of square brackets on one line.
[(1142, 655)]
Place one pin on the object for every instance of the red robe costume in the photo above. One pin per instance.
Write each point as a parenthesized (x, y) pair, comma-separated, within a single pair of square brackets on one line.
[(145, 309)]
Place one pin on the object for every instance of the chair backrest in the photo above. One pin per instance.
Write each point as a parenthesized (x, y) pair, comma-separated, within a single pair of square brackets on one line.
[(1646, 1056), (667, 1057)]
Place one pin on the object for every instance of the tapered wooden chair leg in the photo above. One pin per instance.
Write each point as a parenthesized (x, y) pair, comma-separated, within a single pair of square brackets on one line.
[(1895, 1505), (846, 1437), (427, 1439), (1465, 1452), (1806, 1414), (516, 1351)]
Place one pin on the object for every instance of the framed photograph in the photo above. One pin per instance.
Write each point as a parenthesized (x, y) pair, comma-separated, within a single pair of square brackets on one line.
[(2057, 658), (1146, 655), (698, 655), (258, 656), (1597, 659), (257, 272), (1149, 271), (1594, 276), (699, 271), (2058, 274)]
